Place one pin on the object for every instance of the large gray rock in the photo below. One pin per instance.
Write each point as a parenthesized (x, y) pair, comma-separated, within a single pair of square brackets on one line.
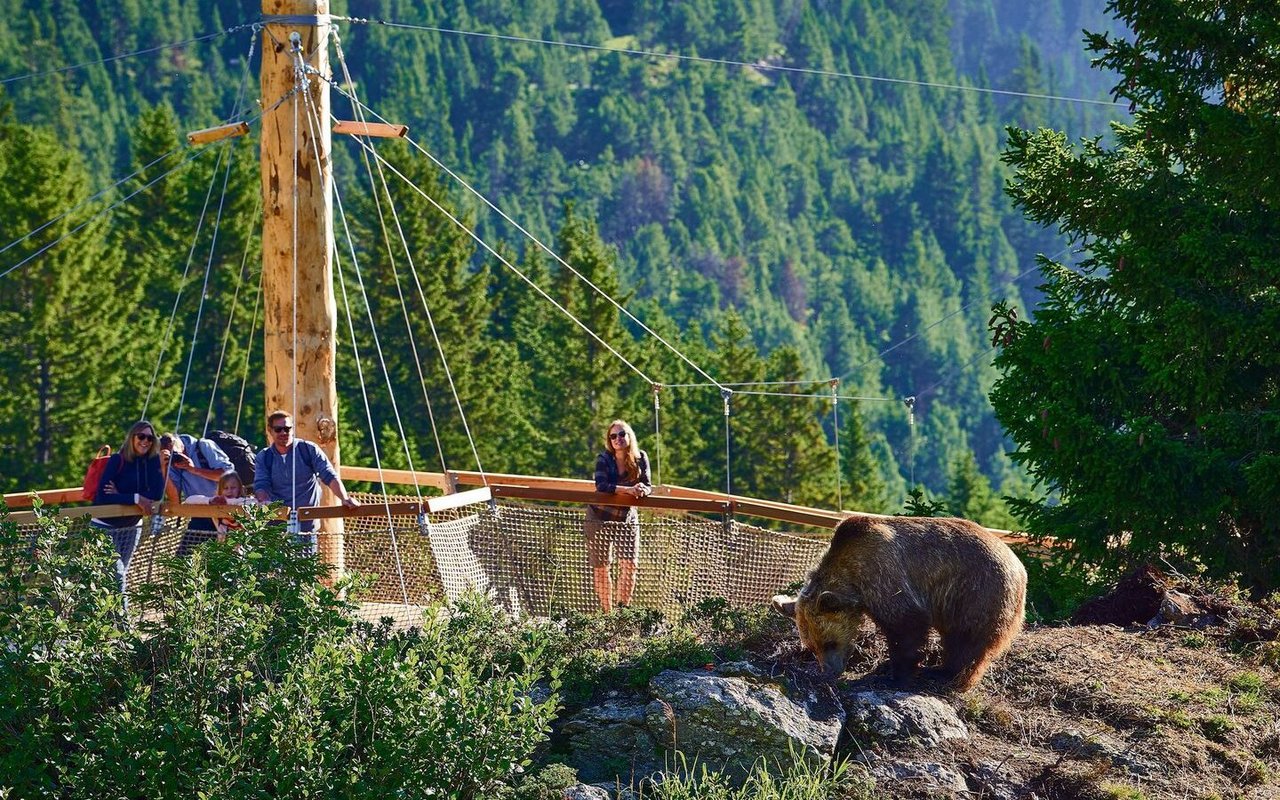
[(726, 723), (904, 717), (611, 741), (731, 722), (939, 780), (584, 791)]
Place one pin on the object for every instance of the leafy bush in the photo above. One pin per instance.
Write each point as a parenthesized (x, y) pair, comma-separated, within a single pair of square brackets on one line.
[(630, 646), (248, 677)]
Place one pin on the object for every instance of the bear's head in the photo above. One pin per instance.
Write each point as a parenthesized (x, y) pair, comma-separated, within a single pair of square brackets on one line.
[(827, 623)]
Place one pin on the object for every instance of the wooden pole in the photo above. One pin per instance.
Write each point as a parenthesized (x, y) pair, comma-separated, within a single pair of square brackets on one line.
[(297, 235)]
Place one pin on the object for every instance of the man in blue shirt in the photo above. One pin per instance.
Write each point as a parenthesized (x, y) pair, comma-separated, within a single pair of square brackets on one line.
[(292, 471)]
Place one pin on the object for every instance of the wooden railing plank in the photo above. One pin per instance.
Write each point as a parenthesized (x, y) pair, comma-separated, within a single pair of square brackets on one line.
[(524, 487), (72, 494), (402, 477), (599, 498), (531, 481), (102, 511), (401, 509)]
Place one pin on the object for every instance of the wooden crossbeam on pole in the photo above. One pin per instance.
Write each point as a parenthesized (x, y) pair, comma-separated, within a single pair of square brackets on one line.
[(218, 133), (379, 130)]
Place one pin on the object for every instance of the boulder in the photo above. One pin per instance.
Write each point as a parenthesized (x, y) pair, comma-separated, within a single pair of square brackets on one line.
[(731, 722), (725, 722), (611, 741), (937, 780), (904, 717)]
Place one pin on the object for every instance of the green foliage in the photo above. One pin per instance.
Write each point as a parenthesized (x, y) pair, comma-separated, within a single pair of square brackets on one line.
[(548, 783), (919, 505), (1057, 583), (864, 488), (833, 217), (970, 496), (630, 646), (799, 780), (1144, 393), (67, 356), (1217, 727), (246, 676)]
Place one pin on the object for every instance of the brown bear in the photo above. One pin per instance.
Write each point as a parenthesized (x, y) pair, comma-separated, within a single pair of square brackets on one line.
[(911, 574)]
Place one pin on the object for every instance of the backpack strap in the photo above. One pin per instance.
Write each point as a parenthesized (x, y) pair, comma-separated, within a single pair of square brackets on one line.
[(203, 457)]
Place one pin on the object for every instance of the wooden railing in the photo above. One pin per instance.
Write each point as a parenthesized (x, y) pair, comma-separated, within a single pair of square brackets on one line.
[(666, 497)]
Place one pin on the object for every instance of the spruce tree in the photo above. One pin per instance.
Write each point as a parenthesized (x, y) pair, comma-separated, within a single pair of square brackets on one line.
[(73, 370), (864, 488), (1144, 392)]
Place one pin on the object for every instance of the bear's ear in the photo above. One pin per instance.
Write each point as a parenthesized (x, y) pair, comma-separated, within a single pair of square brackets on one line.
[(832, 603), (784, 605)]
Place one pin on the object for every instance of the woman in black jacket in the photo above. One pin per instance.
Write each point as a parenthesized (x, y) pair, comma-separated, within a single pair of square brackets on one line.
[(622, 469), (132, 477)]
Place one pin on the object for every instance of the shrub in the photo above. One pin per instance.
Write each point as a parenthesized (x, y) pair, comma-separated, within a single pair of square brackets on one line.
[(248, 677)]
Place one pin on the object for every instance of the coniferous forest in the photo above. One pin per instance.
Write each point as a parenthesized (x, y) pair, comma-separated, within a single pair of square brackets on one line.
[(778, 227), (1069, 271)]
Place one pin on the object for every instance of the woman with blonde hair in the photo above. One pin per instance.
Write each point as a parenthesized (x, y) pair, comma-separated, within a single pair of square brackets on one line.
[(132, 477), (622, 469)]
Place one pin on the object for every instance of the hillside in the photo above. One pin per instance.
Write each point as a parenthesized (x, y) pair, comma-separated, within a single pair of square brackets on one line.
[(1184, 707), (850, 219)]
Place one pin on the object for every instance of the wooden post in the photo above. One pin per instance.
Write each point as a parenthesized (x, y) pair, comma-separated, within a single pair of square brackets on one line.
[(297, 236)]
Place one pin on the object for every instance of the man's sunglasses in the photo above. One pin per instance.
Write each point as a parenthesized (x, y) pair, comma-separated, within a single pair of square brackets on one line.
[(281, 428)]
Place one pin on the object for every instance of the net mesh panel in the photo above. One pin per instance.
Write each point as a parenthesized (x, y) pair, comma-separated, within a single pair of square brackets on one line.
[(532, 559)]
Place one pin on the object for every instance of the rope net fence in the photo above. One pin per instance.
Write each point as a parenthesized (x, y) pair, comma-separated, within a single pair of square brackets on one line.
[(530, 559)]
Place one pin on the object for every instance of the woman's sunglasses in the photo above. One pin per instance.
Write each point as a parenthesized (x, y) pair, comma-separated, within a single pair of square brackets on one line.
[(618, 435), (144, 437)]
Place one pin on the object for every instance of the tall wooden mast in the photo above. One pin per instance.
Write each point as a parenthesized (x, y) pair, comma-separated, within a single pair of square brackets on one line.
[(299, 310)]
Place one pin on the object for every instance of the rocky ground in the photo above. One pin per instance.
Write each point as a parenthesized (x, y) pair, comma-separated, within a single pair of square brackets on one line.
[(1103, 711), (1167, 692)]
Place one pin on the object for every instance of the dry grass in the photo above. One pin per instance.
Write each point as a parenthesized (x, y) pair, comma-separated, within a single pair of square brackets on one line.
[(1103, 712)]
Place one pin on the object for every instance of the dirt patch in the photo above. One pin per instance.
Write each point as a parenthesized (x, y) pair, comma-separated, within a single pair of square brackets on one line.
[(1103, 712)]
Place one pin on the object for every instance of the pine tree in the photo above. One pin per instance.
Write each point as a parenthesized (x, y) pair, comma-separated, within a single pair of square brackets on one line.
[(864, 488), (1145, 390), (969, 495), (73, 370), (586, 380)]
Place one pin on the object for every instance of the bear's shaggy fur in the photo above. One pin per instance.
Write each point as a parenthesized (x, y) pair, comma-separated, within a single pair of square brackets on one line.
[(911, 574)]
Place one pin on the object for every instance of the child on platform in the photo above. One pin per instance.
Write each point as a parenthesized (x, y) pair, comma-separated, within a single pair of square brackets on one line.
[(230, 493)]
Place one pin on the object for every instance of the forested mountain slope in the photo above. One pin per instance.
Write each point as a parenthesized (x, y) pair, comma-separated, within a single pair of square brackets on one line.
[(845, 226)]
